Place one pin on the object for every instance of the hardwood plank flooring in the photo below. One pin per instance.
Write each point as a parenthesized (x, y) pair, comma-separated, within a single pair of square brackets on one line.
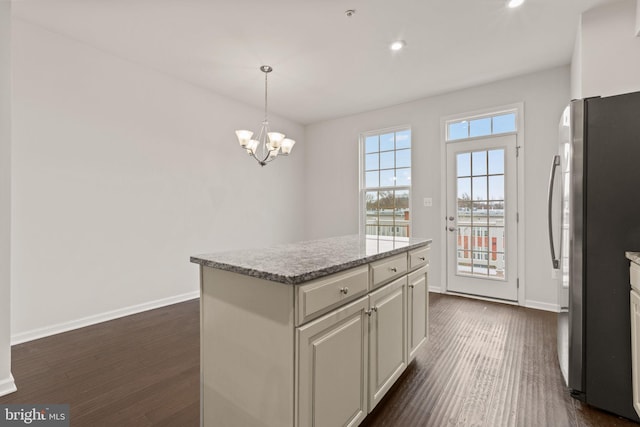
[(486, 364), (139, 370)]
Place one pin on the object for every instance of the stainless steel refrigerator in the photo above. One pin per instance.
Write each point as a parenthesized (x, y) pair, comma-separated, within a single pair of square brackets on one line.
[(594, 217)]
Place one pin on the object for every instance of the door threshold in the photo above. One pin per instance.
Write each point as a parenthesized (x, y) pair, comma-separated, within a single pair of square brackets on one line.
[(481, 298)]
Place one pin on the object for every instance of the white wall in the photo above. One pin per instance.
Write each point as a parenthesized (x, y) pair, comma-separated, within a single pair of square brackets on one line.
[(638, 18), (332, 166), (610, 51), (121, 173), (6, 381), (576, 65)]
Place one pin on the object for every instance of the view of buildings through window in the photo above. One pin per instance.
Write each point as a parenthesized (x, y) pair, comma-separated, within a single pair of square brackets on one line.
[(387, 183), (480, 200)]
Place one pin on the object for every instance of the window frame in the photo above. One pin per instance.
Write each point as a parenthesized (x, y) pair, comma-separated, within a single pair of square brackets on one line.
[(470, 116), (363, 189)]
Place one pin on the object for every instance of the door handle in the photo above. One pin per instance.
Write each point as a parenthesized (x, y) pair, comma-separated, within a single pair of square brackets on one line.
[(452, 229), (554, 166)]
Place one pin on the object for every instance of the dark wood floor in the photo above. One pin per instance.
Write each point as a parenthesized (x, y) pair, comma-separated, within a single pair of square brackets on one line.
[(486, 364), (139, 370)]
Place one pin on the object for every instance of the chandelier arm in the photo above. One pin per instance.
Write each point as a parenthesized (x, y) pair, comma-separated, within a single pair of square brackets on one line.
[(264, 160), (261, 162), (257, 159)]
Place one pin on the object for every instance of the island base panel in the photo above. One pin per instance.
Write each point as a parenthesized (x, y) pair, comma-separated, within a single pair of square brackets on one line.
[(246, 351)]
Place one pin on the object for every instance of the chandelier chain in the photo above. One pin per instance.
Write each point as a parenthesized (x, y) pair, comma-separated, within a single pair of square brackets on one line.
[(265, 96)]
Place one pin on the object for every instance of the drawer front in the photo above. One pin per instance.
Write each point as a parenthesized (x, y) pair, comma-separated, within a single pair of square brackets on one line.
[(321, 295), (387, 269), (419, 258), (634, 272)]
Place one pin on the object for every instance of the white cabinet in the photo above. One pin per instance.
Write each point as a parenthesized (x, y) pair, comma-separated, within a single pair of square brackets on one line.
[(417, 311), (339, 381), (635, 334), (332, 367), (635, 351), (387, 338)]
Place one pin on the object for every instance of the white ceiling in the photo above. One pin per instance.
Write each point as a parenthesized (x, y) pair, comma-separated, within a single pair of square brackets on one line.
[(325, 64)]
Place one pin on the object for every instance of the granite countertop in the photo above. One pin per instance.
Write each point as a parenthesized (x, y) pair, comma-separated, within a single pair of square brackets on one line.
[(296, 263), (633, 256)]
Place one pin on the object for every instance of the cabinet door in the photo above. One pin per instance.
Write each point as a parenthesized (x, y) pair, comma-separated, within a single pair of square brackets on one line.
[(332, 367), (387, 338), (418, 315), (635, 348)]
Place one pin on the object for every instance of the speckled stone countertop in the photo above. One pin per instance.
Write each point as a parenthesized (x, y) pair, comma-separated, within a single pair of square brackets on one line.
[(297, 263), (633, 256)]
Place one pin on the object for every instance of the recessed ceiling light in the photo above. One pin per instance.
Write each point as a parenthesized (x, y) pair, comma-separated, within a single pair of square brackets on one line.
[(398, 45), (514, 3)]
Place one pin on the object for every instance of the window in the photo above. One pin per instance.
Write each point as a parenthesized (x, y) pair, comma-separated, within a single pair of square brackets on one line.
[(496, 124), (480, 202), (386, 182)]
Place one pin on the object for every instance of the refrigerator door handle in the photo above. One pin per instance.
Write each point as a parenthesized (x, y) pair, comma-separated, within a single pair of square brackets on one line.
[(554, 166)]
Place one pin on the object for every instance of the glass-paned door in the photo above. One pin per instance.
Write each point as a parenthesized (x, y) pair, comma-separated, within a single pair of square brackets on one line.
[(482, 217)]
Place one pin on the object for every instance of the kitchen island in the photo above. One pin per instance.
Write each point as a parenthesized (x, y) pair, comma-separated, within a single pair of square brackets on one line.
[(309, 334)]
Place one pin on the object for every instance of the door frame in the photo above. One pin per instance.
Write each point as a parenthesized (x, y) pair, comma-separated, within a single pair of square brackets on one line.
[(520, 148)]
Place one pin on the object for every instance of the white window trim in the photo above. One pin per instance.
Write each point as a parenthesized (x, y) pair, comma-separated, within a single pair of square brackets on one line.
[(362, 224), (520, 142)]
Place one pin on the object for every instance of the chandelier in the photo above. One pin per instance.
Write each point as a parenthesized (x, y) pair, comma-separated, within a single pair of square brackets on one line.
[(266, 147)]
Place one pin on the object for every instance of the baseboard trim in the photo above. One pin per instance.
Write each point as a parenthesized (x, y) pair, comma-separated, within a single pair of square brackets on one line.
[(98, 318), (545, 306), (7, 386), (435, 289)]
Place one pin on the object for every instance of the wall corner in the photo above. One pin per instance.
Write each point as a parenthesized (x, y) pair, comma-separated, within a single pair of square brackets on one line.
[(7, 385)]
